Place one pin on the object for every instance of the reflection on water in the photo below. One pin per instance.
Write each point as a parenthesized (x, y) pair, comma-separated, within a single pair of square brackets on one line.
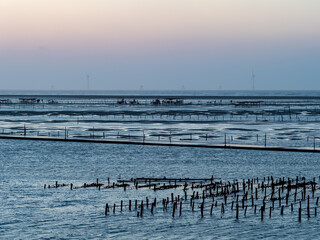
[(287, 118), (30, 212)]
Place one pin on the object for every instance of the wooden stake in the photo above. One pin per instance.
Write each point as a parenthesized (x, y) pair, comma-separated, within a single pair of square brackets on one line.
[(202, 205), (107, 209), (270, 212), (237, 211), (300, 214)]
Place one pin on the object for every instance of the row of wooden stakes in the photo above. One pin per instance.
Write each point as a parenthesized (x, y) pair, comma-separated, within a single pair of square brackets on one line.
[(272, 191), (257, 194)]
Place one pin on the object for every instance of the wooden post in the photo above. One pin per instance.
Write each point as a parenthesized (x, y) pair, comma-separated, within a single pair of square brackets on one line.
[(279, 199), (299, 214), (308, 207), (237, 211), (107, 209), (270, 212), (180, 209), (129, 205), (141, 208), (174, 209), (202, 205)]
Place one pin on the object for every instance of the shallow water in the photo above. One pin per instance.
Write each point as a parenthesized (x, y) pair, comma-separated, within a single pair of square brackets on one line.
[(289, 121), (29, 211)]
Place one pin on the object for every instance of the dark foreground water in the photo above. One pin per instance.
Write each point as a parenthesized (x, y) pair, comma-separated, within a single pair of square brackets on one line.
[(27, 211)]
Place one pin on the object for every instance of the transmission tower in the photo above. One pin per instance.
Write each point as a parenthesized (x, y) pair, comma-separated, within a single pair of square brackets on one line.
[(252, 79)]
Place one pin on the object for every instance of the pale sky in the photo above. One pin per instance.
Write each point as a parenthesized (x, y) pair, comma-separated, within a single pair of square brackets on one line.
[(160, 44)]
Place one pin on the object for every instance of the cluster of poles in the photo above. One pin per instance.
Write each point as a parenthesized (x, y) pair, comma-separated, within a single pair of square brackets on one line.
[(265, 196)]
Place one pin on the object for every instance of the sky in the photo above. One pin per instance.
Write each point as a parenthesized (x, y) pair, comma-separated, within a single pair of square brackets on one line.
[(159, 44)]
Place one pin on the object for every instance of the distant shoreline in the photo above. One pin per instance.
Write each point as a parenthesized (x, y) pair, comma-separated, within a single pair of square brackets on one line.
[(200, 97), (183, 94)]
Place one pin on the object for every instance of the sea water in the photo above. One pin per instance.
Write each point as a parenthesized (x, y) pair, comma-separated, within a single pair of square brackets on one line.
[(28, 211)]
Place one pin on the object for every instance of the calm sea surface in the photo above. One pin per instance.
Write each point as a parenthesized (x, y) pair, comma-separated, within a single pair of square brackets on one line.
[(28, 211)]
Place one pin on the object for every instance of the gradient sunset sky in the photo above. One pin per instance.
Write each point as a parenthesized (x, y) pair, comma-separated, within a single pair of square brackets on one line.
[(160, 44)]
